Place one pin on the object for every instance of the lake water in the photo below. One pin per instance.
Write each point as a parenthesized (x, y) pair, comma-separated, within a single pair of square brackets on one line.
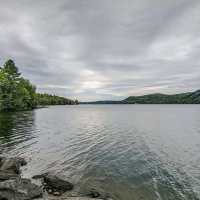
[(132, 152)]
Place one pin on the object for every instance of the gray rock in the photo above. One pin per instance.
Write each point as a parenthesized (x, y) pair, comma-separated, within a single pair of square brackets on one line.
[(11, 165), (40, 176), (5, 175), (94, 193), (31, 189), (58, 184), (56, 193), (73, 198), (21, 161), (13, 187), (19, 189)]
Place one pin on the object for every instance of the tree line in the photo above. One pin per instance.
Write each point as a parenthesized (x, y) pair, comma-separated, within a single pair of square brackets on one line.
[(17, 93), (182, 98)]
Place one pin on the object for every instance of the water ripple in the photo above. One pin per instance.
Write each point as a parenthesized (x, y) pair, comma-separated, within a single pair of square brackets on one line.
[(130, 151)]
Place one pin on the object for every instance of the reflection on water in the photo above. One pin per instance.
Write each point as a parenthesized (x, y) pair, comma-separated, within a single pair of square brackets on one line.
[(132, 152), (15, 129)]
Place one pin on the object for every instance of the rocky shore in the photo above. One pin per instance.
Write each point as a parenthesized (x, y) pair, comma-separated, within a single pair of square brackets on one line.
[(44, 186)]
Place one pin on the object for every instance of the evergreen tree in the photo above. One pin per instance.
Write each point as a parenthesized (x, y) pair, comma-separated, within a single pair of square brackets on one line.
[(17, 93), (10, 68)]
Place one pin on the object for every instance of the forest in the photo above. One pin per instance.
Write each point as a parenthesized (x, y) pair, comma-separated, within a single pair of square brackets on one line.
[(18, 93)]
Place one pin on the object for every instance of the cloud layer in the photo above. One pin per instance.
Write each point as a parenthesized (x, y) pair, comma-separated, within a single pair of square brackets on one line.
[(103, 49)]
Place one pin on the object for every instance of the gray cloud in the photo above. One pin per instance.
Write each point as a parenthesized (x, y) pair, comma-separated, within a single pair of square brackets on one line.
[(106, 49)]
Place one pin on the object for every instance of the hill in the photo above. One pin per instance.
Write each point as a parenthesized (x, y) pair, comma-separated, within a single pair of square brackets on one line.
[(182, 98)]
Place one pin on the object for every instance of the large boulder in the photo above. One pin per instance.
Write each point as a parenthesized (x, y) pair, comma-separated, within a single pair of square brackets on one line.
[(57, 184), (11, 165), (12, 186), (19, 189), (5, 175)]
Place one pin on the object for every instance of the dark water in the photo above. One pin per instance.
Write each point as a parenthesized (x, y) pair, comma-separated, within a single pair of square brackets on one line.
[(142, 152)]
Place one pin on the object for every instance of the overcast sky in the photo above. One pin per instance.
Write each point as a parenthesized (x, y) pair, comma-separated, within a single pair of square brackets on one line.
[(103, 49)]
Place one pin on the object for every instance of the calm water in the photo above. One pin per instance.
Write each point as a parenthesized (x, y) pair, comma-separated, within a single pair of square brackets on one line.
[(133, 152)]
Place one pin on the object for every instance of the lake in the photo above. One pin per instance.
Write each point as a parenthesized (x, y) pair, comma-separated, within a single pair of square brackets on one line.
[(132, 152)]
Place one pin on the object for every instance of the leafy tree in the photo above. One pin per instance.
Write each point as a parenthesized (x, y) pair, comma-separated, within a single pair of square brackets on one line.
[(17, 93), (46, 99), (10, 68), (7, 91)]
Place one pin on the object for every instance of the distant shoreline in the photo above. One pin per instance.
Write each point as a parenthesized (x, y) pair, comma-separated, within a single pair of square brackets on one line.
[(181, 98)]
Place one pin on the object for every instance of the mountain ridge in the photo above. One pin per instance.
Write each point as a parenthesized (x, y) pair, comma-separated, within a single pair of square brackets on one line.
[(157, 98)]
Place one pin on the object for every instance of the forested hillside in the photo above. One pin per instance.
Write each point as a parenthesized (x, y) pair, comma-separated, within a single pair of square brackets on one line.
[(47, 99), (17, 93), (183, 98)]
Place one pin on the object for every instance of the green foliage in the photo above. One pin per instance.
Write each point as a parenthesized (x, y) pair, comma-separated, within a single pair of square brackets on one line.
[(17, 93), (184, 98), (10, 68), (46, 99)]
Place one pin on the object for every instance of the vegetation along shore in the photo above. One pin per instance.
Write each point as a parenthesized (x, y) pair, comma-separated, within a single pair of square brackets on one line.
[(18, 93)]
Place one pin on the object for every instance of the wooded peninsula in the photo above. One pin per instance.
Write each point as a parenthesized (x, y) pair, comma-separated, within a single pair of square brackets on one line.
[(18, 93)]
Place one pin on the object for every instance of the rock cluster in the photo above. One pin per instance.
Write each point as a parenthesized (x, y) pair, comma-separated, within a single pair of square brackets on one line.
[(53, 184), (14, 187)]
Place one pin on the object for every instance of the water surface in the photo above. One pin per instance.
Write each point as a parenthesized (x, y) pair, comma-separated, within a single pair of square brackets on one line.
[(132, 152)]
